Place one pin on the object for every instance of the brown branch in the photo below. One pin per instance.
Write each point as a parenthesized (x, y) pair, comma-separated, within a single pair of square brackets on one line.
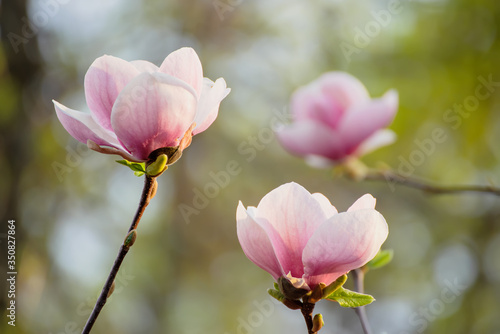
[(392, 177), (356, 170), (307, 310), (148, 192)]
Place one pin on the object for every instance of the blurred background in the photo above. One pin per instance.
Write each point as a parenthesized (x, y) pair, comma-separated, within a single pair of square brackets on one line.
[(187, 272)]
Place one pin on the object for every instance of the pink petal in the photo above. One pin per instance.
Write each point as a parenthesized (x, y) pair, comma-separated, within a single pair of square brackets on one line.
[(344, 88), (145, 66), (308, 138), (366, 201), (327, 98), (310, 103), (255, 243), (379, 139), (345, 242), (83, 127), (104, 80), (184, 64), (325, 204), (208, 106), (153, 111), (362, 121), (294, 214)]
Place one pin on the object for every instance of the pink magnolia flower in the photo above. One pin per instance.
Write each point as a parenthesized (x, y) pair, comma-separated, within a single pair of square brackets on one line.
[(302, 236), (334, 118), (137, 107)]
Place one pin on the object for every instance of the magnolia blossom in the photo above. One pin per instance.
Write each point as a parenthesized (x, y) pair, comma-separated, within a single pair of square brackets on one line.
[(334, 118), (137, 107), (301, 236)]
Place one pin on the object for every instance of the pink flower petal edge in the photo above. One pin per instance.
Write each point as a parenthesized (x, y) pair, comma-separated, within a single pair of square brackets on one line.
[(184, 64), (345, 242), (255, 243)]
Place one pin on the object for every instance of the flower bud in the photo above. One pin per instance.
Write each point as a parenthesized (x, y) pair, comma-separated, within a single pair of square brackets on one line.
[(318, 323), (158, 166), (130, 239)]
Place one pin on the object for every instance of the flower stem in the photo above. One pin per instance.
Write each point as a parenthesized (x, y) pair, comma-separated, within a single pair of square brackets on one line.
[(307, 310), (148, 192), (358, 276)]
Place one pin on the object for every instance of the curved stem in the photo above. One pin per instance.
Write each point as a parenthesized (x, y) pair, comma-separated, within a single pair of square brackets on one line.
[(147, 193), (358, 276)]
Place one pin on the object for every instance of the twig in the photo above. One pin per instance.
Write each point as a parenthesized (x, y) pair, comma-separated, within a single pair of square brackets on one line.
[(391, 176), (356, 170), (147, 193), (358, 276)]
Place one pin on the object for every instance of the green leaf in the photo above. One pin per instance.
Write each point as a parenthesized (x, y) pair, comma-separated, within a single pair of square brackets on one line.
[(276, 294), (139, 168), (382, 258), (348, 298)]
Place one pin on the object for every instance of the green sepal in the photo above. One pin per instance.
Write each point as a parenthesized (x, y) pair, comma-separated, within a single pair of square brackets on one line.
[(139, 168), (328, 290), (276, 286), (382, 258), (276, 294), (348, 298)]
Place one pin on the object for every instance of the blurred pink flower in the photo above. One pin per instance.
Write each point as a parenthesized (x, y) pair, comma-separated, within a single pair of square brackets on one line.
[(334, 118), (302, 236), (137, 107)]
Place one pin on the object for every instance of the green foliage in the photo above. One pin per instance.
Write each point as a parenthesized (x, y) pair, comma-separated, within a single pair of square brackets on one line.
[(348, 298), (276, 294), (138, 168), (382, 258)]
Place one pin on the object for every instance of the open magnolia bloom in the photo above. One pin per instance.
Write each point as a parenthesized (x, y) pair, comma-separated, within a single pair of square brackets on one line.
[(301, 236), (335, 118), (137, 107)]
